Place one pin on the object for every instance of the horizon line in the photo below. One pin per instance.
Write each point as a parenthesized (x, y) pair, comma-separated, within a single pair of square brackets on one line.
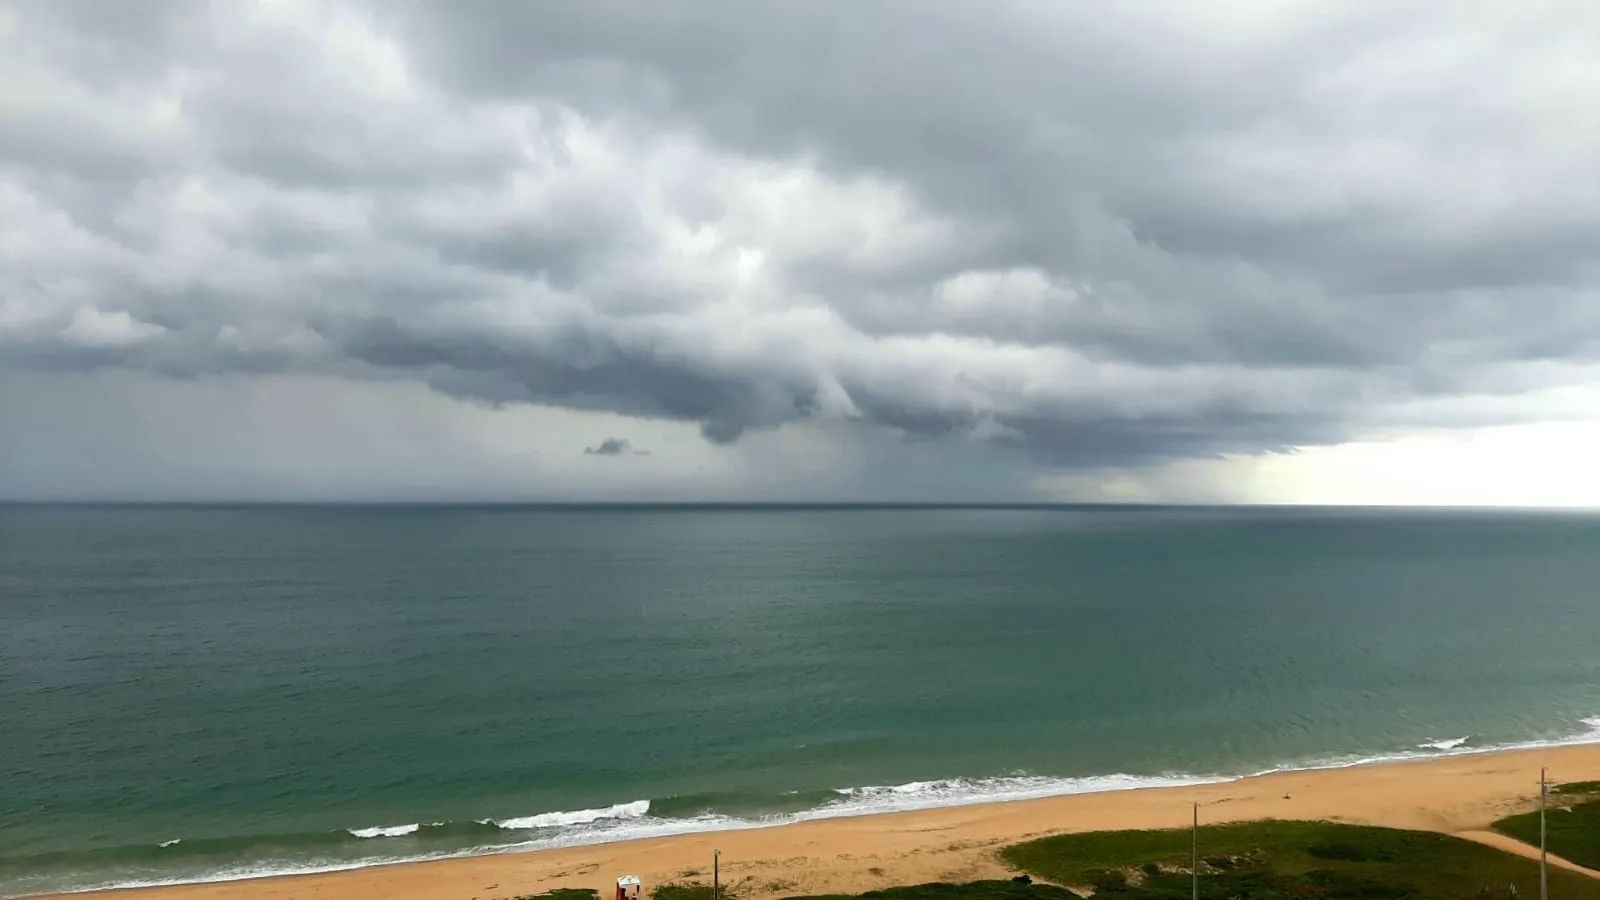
[(753, 505)]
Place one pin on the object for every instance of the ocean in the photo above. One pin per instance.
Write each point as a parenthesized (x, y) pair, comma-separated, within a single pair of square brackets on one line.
[(195, 693)]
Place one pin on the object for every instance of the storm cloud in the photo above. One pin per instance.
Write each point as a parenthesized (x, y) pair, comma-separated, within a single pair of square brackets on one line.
[(1068, 234), (614, 447)]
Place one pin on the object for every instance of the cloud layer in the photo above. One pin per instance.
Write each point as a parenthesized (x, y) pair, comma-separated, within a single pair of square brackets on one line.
[(1075, 237)]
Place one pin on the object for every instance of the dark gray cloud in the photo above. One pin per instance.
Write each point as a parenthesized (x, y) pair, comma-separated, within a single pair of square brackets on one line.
[(614, 447), (1086, 236)]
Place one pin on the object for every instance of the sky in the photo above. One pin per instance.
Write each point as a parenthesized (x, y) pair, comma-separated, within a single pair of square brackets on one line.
[(1157, 251)]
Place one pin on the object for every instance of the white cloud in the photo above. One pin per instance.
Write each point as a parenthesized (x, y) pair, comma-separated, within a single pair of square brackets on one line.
[(1544, 464), (92, 328), (1539, 464)]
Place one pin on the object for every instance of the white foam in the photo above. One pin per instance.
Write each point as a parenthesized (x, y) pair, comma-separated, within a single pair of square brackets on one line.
[(172, 843), (1450, 744), (871, 800), (1590, 735), (386, 830), (262, 870), (609, 831), (630, 821), (633, 810), (856, 801)]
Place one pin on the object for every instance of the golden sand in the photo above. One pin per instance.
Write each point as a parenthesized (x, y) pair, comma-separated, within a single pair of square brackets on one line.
[(1456, 795)]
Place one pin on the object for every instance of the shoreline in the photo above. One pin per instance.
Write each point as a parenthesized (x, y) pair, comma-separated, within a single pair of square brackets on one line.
[(1454, 794)]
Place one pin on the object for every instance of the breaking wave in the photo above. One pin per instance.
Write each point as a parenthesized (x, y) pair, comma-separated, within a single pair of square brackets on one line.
[(386, 831), (1449, 744), (578, 817)]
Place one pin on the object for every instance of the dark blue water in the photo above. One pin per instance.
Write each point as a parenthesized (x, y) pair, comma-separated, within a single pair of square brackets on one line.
[(271, 686)]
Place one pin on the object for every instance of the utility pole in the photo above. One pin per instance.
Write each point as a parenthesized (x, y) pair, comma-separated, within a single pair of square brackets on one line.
[(716, 876), (1194, 853), (1544, 881)]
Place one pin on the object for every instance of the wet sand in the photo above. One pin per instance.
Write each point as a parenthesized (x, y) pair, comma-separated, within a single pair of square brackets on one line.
[(1455, 795)]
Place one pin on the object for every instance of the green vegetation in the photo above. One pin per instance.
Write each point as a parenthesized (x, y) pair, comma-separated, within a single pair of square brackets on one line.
[(690, 891), (1268, 860), (1572, 824), (562, 894), (976, 890), (1259, 861)]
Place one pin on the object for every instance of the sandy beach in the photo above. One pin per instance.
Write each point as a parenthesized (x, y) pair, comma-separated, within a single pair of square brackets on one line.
[(1456, 795)]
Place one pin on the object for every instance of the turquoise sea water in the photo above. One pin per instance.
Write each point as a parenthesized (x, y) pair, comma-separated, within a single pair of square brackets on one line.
[(191, 693)]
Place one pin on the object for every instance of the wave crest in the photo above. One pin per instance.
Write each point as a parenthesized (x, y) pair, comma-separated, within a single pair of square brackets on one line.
[(633, 810), (872, 799), (385, 831)]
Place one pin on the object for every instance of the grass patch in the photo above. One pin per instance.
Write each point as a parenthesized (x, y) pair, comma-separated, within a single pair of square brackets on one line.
[(1271, 860), (975, 890), (691, 891), (1572, 824)]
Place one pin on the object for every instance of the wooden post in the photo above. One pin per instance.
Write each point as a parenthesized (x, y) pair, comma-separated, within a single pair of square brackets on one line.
[(1194, 853), (1544, 881)]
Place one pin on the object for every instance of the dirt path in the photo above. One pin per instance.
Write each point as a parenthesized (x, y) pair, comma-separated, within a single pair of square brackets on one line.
[(1512, 845)]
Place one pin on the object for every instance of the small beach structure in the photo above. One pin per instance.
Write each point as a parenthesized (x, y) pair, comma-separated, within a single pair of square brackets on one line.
[(628, 887)]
